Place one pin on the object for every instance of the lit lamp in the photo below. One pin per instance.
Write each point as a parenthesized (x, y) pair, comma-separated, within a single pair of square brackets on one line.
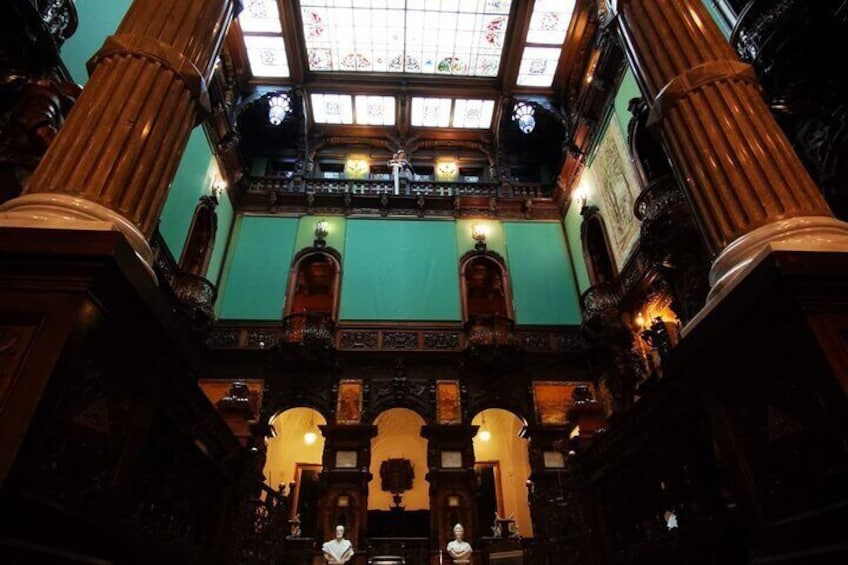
[(278, 106), (478, 234), (322, 229), (524, 114), (218, 187), (580, 196), (485, 434), (310, 436)]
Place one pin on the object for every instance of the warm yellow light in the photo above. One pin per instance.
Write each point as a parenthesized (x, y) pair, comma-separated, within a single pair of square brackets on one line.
[(356, 167), (640, 319), (479, 232), (580, 194), (446, 168), (485, 435), (322, 228), (309, 438)]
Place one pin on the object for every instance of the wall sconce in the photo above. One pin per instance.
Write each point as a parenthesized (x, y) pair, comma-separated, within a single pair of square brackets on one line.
[(446, 169), (478, 234), (356, 168), (219, 185), (580, 195), (322, 229), (278, 106)]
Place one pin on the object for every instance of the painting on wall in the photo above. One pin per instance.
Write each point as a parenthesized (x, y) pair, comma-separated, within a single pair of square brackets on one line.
[(552, 400), (349, 407), (448, 408), (616, 180)]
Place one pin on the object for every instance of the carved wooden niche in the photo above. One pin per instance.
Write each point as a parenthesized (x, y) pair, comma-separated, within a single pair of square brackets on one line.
[(314, 283), (597, 251), (312, 300), (201, 238), (486, 293)]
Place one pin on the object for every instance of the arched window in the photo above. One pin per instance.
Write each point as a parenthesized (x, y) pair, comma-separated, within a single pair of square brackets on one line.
[(201, 238), (485, 287), (596, 250)]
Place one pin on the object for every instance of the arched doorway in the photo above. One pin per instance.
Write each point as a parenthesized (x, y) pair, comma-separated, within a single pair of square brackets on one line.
[(502, 465), (312, 298), (293, 460), (397, 450)]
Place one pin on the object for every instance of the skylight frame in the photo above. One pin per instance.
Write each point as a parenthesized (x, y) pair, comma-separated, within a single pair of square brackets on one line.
[(544, 41), (441, 112), (427, 37), (262, 35)]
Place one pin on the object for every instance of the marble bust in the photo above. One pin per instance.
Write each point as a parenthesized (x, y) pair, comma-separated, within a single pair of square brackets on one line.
[(338, 551), (459, 550)]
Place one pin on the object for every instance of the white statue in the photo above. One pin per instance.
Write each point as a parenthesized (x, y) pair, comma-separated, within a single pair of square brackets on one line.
[(338, 551), (399, 164), (459, 550)]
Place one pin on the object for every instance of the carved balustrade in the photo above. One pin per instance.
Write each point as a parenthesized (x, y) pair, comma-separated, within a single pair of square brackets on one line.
[(197, 297), (313, 329)]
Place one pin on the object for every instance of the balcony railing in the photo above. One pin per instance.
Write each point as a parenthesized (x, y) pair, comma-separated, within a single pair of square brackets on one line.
[(407, 188), (197, 296), (491, 331), (313, 329)]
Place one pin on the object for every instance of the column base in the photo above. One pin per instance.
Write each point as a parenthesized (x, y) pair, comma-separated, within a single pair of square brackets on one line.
[(805, 233), (63, 211)]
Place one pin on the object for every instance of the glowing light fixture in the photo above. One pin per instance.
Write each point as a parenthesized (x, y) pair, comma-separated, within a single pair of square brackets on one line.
[(524, 115), (640, 320), (479, 232), (446, 169), (580, 195), (219, 185), (485, 434), (310, 436), (322, 229), (356, 168), (278, 106)]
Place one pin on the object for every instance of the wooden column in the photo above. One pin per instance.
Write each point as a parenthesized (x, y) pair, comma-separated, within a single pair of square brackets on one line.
[(453, 485), (748, 188), (114, 159)]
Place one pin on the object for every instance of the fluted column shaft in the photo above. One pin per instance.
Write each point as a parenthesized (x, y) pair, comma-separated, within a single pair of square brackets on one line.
[(743, 179), (120, 147)]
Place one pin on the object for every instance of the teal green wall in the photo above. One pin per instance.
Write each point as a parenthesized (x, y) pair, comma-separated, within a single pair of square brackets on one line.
[(306, 232), (253, 285), (572, 223), (722, 25), (542, 281), (400, 270), (98, 19), (194, 178), (225, 224), (494, 240), (628, 90)]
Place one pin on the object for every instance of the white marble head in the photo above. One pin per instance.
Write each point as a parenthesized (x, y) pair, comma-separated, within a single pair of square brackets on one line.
[(339, 532), (458, 530)]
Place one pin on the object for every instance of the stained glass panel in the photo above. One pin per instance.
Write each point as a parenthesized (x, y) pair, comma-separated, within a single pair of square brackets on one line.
[(260, 16), (431, 112), (451, 37), (332, 108), (375, 110), (267, 55), (473, 114)]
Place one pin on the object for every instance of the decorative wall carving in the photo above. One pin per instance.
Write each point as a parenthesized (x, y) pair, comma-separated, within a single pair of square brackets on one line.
[(400, 340)]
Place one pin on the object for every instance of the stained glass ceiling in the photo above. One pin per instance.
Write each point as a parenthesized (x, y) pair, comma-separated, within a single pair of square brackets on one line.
[(448, 37), (263, 39), (543, 47)]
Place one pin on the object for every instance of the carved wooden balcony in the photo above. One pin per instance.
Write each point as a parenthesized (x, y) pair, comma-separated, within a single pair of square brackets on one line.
[(309, 329), (492, 339), (196, 297), (762, 28), (601, 300), (665, 215)]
